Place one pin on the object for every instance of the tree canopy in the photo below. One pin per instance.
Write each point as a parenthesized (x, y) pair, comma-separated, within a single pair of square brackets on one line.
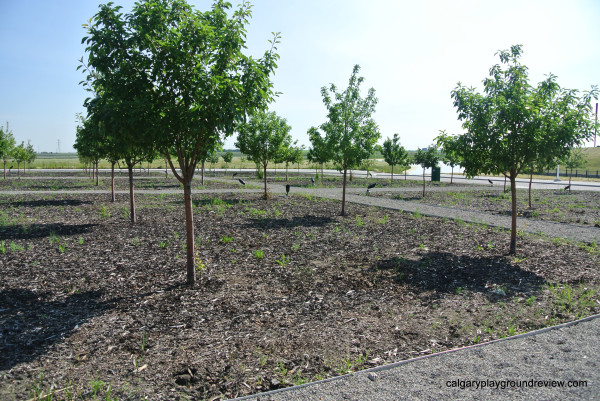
[(513, 124)]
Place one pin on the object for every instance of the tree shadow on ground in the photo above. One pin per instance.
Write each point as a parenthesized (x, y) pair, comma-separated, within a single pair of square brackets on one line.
[(212, 201), (50, 202), (43, 230), (305, 221), (444, 273), (31, 325)]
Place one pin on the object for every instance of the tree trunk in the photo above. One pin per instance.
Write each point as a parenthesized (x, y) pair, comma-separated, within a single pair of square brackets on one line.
[(131, 196), (286, 171), (451, 175), (97, 175), (322, 173), (19, 170), (505, 183), (513, 227), (405, 174), (189, 226), (392, 174), (344, 194), (265, 179), (202, 174), (530, 180), (5, 169), (423, 182), (112, 181)]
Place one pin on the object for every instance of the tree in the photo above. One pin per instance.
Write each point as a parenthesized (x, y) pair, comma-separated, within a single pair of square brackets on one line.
[(19, 153), (7, 145), (513, 124), (350, 132), (292, 155), (450, 155), (427, 159), (227, 158), (185, 77), (573, 160), (393, 153), (320, 152), (30, 153), (213, 158), (120, 82), (263, 139)]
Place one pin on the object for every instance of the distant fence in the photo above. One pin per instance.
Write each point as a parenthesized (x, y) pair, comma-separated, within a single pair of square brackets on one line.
[(575, 173)]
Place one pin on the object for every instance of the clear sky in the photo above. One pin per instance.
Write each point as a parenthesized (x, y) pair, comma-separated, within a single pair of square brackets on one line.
[(412, 52)]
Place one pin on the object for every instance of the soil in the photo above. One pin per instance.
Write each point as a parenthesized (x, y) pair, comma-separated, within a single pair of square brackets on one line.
[(573, 207), (288, 292)]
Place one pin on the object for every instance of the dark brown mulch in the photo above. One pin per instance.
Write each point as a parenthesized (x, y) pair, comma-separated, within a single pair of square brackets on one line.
[(290, 292)]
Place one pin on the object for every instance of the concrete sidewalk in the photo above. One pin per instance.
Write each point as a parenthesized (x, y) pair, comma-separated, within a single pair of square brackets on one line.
[(556, 363)]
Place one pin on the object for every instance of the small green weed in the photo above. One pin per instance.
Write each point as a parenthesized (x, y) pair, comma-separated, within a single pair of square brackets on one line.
[(284, 261), (226, 239), (258, 254)]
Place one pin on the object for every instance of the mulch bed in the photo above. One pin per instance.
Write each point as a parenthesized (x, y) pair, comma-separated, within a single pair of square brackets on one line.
[(288, 292)]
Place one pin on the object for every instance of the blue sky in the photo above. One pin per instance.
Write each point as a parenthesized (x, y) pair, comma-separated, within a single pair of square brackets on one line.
[(412, 52)]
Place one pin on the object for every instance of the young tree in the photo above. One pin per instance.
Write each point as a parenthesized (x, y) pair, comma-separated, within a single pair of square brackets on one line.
[(393, 153), (573, 160), (227, 158), (213, 159), (350, 132), (292, 155), (7, 145), (264, 138), (19, 153), (186, 75), (450, 155), (512, 123), (30, 153), (320, 152), (427, 159)]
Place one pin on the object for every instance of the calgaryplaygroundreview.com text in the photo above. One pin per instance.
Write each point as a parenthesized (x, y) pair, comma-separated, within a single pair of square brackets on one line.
[(504, 384)]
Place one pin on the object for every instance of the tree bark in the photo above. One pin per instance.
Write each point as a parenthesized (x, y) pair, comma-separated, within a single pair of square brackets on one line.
[(530, 180), (344, 194), (265, 179), (451, 175), (189, 225), (112, 181), (423, 182), (97, 174), (202, 174), (322, 173), (392, 182), (5, 169), (513, 228), (131, 195)]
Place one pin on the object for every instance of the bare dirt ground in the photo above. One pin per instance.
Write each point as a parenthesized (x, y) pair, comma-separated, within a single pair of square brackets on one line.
[(93, 306)]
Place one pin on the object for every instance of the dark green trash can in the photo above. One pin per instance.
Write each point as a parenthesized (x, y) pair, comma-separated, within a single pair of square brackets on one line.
[(435, 174)]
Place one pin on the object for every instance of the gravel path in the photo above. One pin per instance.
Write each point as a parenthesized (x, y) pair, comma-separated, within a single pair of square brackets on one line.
[(522, 367)]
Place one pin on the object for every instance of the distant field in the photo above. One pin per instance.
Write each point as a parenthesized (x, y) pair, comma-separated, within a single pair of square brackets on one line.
[(70, 160)]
